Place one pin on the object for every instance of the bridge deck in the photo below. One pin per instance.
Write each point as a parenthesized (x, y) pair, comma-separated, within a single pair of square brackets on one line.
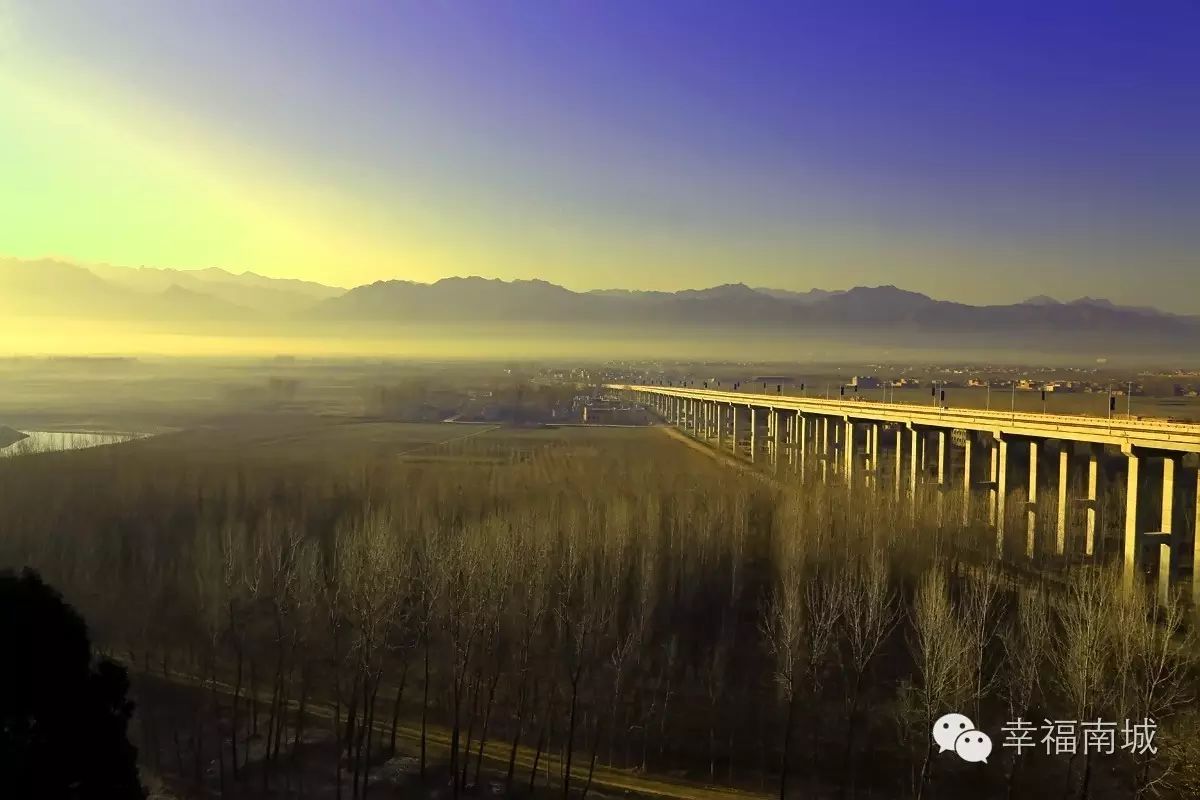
[(1120, 431)]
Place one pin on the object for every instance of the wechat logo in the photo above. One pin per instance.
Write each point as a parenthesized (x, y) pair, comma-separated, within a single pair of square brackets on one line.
[(956, 732)]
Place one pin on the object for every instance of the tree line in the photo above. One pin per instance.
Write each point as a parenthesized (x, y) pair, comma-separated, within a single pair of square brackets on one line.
[(606, 601)]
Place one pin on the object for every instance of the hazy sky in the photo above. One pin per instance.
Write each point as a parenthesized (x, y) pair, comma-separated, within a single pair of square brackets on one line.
[(973, 151)]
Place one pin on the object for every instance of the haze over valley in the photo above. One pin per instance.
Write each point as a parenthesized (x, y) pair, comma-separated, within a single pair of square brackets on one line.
[(218, 312)]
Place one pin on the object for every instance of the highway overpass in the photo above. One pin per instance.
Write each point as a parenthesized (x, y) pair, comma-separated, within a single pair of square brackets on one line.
[(901, 447)]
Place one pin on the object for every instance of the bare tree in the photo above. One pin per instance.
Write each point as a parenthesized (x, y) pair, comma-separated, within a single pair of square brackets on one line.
[(529, 611), (869, 614), (1163, 675), (1083, 659), (581, 615), (941, 652), (1026, 641), (798, 626), (374, 574), (980, 616)]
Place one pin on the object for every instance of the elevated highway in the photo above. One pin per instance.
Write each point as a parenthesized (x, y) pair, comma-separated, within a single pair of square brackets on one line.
[(1062, 458)]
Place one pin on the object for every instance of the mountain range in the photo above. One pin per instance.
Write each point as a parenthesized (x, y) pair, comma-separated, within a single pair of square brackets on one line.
[(50, 288)]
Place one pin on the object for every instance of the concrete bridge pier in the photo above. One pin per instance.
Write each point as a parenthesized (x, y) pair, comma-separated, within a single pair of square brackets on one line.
[(839, 445), (802, 434), (1031, 501), (1169, 465), (787, 434), (870, 453), (1064, 477), (876, 455), (848, 451), (1001, 465), (736, 433), (993, 484), (898, 467), (1167, 558), (1196, 548), (940, 472), (1093, 498), (968, 446), (1171, 539), (914, 462), (719, 410), (775, 420), (768, 416), (940, 434), (754, 422), (824, 451), (1165, 540), (791, 456), (1130, 544)]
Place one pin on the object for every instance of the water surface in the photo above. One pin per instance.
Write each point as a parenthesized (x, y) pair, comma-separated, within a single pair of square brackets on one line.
[(55, 441)]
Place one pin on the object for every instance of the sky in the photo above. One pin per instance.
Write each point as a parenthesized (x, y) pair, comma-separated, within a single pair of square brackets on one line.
[(982, 152)]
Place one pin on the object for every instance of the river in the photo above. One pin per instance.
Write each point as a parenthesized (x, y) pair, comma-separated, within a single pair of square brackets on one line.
[(55, 441)]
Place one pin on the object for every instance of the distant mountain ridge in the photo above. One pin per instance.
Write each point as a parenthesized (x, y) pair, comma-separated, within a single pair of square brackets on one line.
[(476, 299), (57, 288), (49, 287), (246, 290)]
